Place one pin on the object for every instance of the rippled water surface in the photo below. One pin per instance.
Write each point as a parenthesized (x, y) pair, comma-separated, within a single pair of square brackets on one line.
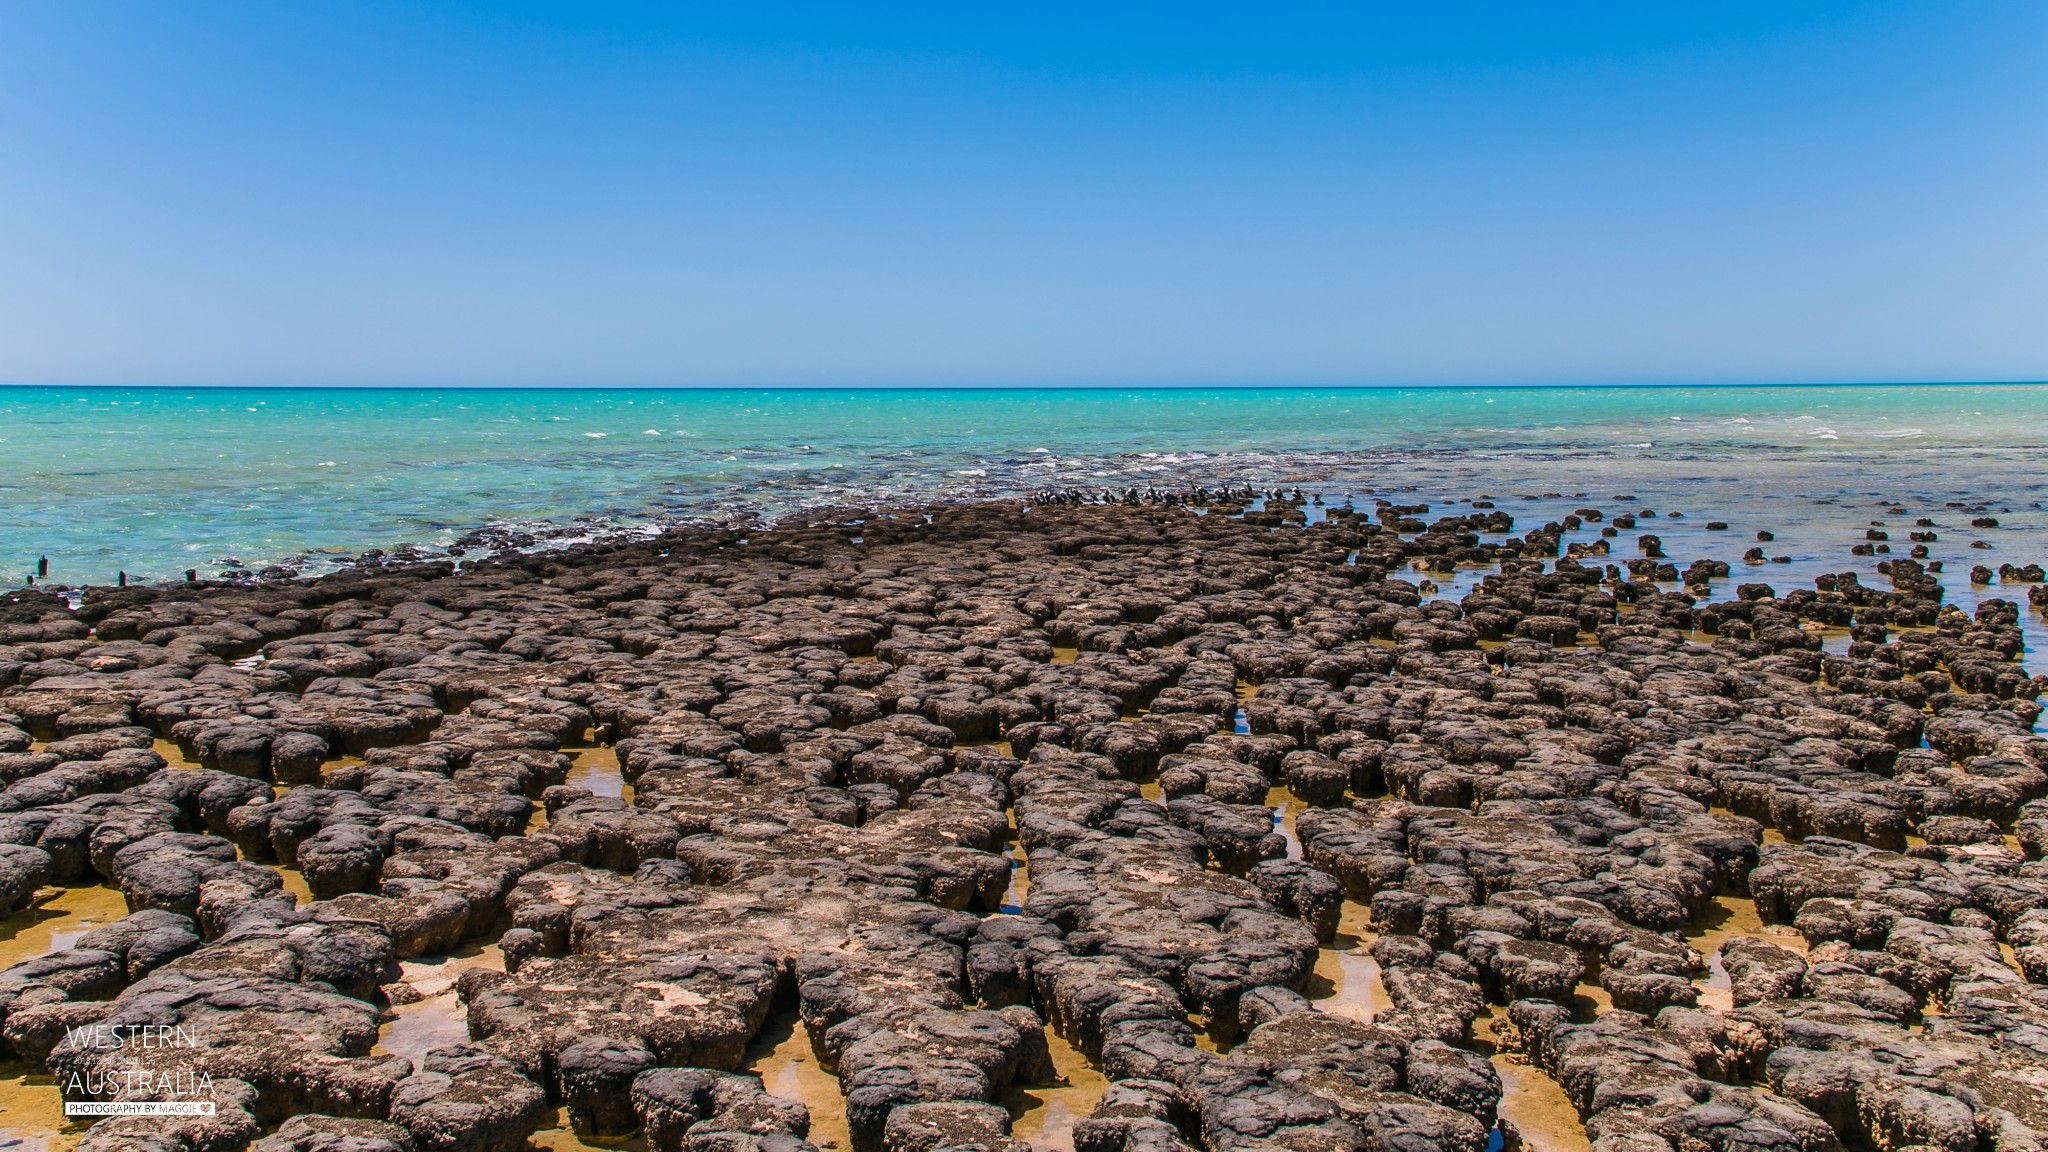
[(155, 481)]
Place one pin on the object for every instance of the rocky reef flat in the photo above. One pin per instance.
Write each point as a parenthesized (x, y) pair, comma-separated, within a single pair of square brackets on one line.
[(1116, 828)]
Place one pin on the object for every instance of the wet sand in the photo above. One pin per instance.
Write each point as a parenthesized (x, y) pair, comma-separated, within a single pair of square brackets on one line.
[(58, 917), (781, 1056), (1536, 1107), (1346, 981), (1726, 918), (173, 755), (437, 1017), (1286, 808), (31, 1109), (1043, 1115), (1020, 884), (32, 1112), (558, 1136), (596, 767)]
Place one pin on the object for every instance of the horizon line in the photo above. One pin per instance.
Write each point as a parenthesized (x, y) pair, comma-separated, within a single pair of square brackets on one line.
[(1289, 387)]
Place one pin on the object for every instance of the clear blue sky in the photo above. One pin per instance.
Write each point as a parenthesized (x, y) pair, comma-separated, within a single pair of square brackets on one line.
[(376, 193)]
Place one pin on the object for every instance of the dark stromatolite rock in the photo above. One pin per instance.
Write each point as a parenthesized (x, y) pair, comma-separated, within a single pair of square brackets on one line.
[(22, 870), (317, 943), (233, 1124), (302, 1047), (928, 1127), (1760, 970), (1518, 816), (335, 1134), (143, 941), (593, 1075), (715, 1112), (169, 869), (1237, 836), (463, 1099), (698, 1010), (1512, 969), (1299, 890), (1628, 1080)]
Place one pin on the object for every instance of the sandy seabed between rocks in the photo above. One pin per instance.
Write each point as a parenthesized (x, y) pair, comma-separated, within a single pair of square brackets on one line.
[(1105, 828)]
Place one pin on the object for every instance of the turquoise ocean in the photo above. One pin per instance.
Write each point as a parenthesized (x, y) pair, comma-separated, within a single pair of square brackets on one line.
[(154, 481)]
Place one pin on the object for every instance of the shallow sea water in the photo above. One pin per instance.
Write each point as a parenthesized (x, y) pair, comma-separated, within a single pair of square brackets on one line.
[(156, 481)]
